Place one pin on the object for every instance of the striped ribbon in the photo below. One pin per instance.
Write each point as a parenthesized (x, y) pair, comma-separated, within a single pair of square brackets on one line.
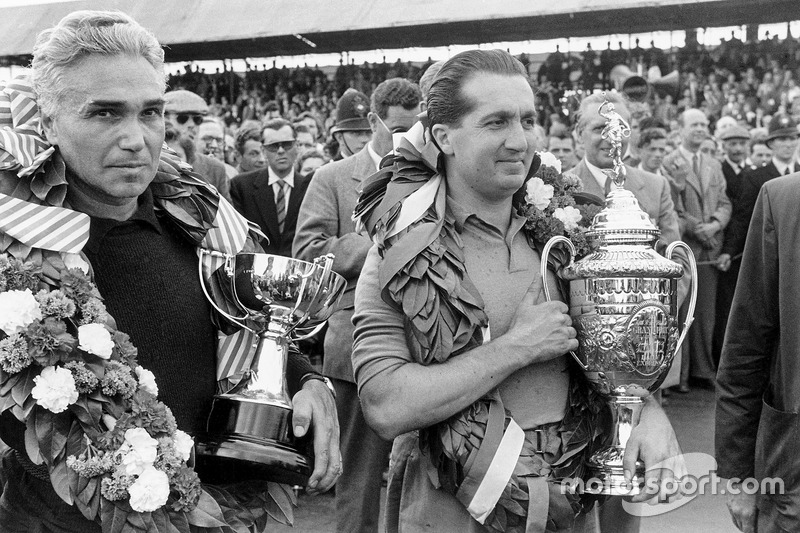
[(234, 352), (38, 226), (494, 464), (22, 147)]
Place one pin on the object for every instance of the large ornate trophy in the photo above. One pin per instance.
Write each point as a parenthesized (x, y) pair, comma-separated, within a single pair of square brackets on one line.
[(623, 302), (249, 428)]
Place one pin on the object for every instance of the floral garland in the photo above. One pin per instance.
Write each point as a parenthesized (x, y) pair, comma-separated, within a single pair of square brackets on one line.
[(90, 411), (425, 257), (552, 208)]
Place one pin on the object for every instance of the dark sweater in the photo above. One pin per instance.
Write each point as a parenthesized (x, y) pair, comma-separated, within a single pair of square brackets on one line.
[(147, 274)]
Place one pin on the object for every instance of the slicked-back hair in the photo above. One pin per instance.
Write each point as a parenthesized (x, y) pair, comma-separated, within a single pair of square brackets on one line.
[(394, 92), (591, 104), (278, 124), (81, 34), (447, 103)]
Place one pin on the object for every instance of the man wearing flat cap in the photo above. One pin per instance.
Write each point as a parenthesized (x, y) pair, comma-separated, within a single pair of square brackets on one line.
[(184, 112), (735, 140)]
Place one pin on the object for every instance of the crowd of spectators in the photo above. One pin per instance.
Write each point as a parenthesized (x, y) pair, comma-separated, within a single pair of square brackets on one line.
[(748, 81)]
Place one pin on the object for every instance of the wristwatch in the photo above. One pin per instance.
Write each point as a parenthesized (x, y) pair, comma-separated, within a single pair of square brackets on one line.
[(320, 377)]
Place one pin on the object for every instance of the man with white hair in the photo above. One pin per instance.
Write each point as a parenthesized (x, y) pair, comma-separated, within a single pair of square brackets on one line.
[(98, 79)]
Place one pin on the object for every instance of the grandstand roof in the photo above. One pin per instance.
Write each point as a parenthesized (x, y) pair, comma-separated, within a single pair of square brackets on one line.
[(213, 29)]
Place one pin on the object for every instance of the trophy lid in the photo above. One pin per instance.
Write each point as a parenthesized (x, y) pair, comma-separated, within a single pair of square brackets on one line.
[(622, 221)]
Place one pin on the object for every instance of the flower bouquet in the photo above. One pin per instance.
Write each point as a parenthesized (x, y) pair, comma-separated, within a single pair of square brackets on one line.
[(92, 416), (552, 204)]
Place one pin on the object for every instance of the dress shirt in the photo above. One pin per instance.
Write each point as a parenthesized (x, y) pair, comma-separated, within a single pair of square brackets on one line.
[(599, 175), (781, 166), (274, 182), (374, 155)]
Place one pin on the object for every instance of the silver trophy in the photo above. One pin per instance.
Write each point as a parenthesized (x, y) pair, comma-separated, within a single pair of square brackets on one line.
[(623, 302), (281, 299)]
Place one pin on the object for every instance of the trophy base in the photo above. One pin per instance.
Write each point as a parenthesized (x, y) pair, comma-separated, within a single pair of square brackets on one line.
[(607, 476), (235, 459), (249, 440)]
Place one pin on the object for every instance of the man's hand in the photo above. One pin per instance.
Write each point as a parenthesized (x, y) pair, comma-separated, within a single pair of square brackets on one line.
[(743, 509), (724, 262), (706, 230), (314, 406), (654, 443), (540, 332)]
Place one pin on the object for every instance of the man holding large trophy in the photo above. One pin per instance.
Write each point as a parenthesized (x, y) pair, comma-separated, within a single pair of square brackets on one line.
[(457, 353)]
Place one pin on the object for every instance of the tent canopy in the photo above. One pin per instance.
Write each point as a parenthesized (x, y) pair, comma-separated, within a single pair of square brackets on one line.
[(210, 29)]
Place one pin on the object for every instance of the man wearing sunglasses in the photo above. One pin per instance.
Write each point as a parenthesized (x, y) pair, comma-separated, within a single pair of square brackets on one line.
[(271, 196), (184, 112)]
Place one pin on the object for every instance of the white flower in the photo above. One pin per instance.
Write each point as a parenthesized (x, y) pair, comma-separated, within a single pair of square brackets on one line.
[(538, 194), (183, 444), (549, 160), (95, 338), (147, 380), (139, 451), (150, 490), (55, 389), (76, 261), (18, 310), (569, 216)]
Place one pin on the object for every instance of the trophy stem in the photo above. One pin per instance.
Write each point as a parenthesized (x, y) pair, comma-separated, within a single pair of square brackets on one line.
[(267, 380), (605, 465)]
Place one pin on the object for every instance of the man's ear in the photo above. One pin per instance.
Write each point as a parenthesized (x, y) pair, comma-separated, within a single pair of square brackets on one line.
[(374, 122), (442, 135), (49, 128)]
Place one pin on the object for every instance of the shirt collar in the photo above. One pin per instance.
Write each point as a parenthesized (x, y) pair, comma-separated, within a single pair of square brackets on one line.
[(462, 215), (599, 176), (687, 154), (274, 178), (376, 159), (781, 166), (735, 166), (144, 215)]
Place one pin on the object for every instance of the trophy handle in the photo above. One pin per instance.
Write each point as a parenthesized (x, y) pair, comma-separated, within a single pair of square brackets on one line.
[(693, 297), (558, 239), (239, 321)]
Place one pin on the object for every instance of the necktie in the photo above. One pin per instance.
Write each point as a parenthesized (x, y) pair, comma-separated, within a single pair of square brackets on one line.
[(608, 185), (696, 165), (787, 171), (39, 226), (280, 204)]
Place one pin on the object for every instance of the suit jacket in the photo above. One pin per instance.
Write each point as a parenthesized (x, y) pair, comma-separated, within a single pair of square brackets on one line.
[(758, 382), (213, 171), (698, 199), (325, 225), (254, 198), (751, 183)]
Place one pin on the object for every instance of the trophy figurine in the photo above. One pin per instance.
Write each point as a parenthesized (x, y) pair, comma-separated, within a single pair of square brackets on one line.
[(249, 427), (623, 303)]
